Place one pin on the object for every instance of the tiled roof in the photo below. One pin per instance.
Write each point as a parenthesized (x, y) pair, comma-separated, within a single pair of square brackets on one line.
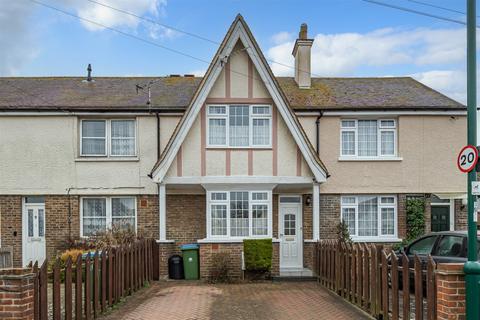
[(175, 93)]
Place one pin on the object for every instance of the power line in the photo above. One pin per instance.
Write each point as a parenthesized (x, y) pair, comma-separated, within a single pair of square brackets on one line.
[(437, 6), (154, 22), (415, 11), (186, 32)]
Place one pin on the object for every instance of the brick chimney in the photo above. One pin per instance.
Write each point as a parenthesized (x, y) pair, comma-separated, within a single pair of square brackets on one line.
[(302, 53)]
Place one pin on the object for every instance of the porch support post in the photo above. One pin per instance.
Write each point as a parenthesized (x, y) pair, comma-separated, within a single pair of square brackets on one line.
[(316, 211), (162, 210)]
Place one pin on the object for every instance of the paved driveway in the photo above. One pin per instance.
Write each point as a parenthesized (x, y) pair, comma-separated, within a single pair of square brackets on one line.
[(192, 301)]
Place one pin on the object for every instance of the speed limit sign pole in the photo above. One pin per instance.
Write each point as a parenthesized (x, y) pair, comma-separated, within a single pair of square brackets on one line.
[(472, 267)]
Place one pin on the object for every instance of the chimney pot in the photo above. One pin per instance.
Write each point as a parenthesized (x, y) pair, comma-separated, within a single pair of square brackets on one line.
[(303, 31)]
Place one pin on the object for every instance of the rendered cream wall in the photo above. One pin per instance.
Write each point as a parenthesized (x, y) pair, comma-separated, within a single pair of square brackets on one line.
[(38, 156), (216, 159), (428, 146)]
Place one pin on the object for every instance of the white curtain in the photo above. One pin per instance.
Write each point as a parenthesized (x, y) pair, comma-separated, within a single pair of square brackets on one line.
[(367, 138), (261, 132), (94, 216), (217, 132), (367, 216), (123, 137), (238, 126)]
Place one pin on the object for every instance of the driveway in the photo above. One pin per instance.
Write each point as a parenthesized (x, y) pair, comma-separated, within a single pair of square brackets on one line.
[(195, 301)]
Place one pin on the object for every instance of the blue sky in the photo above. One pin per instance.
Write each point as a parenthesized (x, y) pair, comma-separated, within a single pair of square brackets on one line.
[(352, 38)]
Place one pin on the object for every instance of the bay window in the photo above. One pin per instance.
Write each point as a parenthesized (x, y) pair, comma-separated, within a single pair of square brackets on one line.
[(239, 214), (239, 126), (368, 138), (98, 214), (108, 137), (370, 217)]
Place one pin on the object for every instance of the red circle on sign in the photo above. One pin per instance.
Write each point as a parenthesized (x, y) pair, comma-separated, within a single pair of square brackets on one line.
[(470, 165)]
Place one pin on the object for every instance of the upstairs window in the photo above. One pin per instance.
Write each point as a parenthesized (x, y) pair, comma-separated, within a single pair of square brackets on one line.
[(368, 138), (239, 126), (108, 138)]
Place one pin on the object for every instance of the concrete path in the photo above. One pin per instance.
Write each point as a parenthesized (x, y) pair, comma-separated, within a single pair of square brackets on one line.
[(195, 301)]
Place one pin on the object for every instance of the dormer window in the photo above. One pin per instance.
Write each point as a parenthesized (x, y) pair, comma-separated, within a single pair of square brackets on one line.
[(368, 138), (113, 138), (239, 126)]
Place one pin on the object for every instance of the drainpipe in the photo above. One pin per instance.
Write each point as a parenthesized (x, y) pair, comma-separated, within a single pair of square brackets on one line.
[(158, 135), (317, 125)]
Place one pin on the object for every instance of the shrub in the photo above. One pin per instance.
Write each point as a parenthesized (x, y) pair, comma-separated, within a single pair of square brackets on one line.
[(73, 253), (343, 235), (415, 218), (220, 265), (258, 254)]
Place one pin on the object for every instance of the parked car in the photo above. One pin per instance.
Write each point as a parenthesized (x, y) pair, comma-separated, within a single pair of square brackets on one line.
[(444, 247)]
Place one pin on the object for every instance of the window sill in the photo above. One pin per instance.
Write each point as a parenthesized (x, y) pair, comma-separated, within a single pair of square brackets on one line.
[(375, 239), (238, 148), (386, 159), (107, 159), (165, 241), (230, 240)]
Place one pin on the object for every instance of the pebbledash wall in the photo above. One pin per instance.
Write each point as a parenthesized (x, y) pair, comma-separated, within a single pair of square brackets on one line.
[(62, 222)]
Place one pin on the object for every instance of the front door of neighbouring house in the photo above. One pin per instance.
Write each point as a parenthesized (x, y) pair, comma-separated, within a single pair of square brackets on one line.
[(33, 231), (290, 232), (440, 218)]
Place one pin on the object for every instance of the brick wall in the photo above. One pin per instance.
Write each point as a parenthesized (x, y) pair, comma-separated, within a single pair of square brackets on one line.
[(234, 250), (329, 215), (62, 223), (147, 215), (186, 215), (275, 215), (165, 251), (450, 281), (402, 215), (16, 294), (61, 228), (11, 226), (461, 219), (307, 218), (308, 254)]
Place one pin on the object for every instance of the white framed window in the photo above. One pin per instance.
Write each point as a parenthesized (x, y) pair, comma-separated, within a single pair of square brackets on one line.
[(98, 214), (368, 138), (239, 214), (370, 217), (108, 137), (239, 126)]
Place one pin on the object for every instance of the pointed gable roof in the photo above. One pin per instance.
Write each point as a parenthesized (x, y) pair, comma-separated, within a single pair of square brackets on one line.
[(239, 30)]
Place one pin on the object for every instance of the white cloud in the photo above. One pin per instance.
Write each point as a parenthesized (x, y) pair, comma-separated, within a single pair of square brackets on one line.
[(452, 83), (345, 53), (112, 18), (16, 40), (281, 37), (198, 73)]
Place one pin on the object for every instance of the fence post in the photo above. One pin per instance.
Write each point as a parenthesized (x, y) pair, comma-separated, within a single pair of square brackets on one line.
[(384, 285), (68, 289), (18, 287), (78, 287), (431, 295), (96, 285), (394, 277), (406, 286), (418, 288), (88, 286)]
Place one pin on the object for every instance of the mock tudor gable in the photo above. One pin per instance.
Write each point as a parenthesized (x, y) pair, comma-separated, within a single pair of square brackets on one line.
[(238, 40)]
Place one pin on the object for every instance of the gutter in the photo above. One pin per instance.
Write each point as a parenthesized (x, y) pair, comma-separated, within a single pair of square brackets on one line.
[(158, 135)]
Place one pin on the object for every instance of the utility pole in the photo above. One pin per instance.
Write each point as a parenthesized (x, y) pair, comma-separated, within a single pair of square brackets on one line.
[(472, 267)]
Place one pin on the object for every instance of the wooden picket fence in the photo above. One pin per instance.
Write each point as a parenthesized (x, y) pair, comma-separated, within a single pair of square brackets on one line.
[(89, 286), (368, 276)]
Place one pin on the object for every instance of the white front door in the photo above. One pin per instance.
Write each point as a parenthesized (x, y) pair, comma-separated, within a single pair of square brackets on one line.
[(33, 233), (290, 230)]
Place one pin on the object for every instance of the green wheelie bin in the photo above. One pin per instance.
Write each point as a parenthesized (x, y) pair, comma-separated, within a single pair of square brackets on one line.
[(190, 261)]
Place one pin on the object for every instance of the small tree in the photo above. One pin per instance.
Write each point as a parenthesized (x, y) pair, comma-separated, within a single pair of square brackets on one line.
[(343, 235)]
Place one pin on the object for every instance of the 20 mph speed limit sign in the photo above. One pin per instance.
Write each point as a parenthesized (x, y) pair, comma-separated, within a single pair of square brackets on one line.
[(467, 158)]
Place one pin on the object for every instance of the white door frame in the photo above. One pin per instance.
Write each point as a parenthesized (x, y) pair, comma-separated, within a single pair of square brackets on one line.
[(280, 226), (25, 207)]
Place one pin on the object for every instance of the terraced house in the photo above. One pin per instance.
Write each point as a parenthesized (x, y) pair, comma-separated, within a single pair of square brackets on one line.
[(238, 153)]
